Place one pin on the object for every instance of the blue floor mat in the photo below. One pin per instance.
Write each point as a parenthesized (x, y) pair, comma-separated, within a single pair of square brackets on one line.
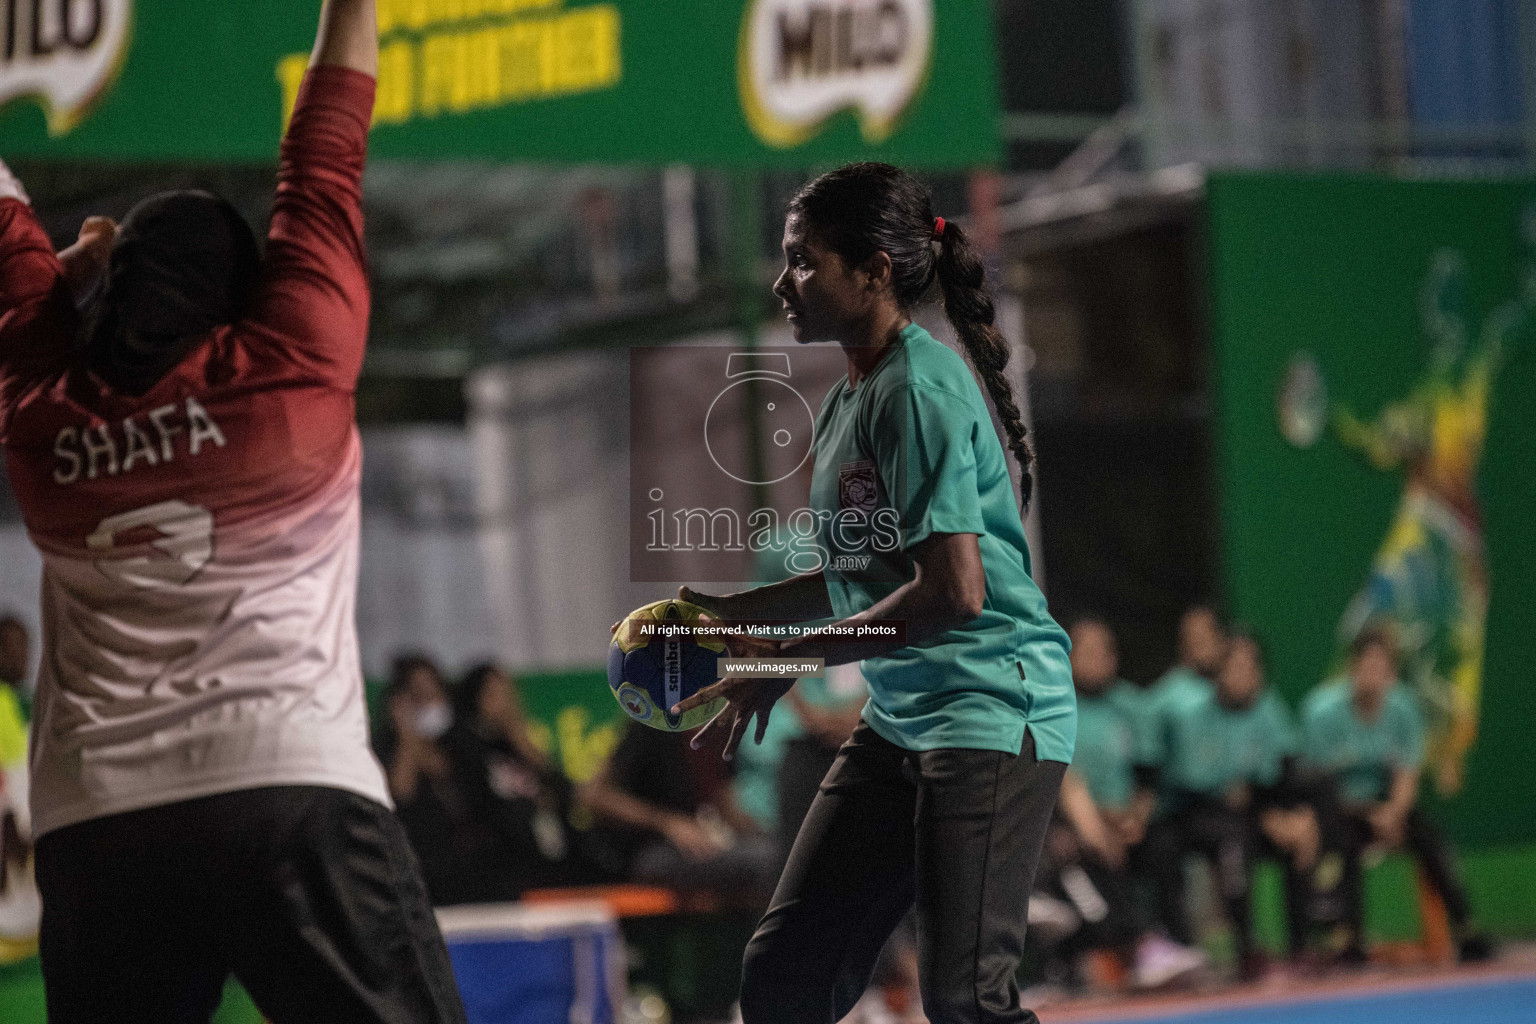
[(1499, 1002)]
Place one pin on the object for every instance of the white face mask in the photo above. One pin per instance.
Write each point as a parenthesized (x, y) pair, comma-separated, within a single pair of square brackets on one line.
[(433, 720)]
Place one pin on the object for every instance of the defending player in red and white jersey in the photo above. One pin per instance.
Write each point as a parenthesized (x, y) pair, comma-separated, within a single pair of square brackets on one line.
[(187, 460)]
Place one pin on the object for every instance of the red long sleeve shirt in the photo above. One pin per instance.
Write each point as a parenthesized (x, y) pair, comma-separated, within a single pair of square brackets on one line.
[(200, 541)]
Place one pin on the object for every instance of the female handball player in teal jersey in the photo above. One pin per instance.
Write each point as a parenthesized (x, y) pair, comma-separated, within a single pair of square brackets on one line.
[(943, 792)]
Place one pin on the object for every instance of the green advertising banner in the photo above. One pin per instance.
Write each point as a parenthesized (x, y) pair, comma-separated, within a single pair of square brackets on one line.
[(1377, 435), (730, 82)]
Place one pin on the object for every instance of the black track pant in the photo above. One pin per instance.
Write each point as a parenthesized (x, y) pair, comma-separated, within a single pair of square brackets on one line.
[(1232, 841), (1103, 897), (309, 895), (1433, 852), (959, 831), (1227, 839)]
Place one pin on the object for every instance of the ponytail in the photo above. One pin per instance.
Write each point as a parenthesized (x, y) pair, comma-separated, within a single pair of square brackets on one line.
[(861, 209), (971, 313)]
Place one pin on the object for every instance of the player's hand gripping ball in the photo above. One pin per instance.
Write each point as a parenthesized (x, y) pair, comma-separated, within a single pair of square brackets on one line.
[(649, 672)]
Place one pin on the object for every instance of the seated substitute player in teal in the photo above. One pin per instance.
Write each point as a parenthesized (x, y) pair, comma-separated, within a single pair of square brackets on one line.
[(1229, 776), (1115, 748), (1202, 649), (1105, 808), (943, 793), (1366, 730)]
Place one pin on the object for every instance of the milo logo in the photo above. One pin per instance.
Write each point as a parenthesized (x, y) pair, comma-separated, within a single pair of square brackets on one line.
[(802, 61), (63, 52)]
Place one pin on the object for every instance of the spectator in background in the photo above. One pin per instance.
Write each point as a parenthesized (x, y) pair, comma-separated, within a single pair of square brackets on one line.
[(1119, 766), (1230, 780), (20, 905), (523, 794), (15, 652), (671, 819), (1366, 730), (1202, 645), (1102, 814), (440, 798), (489, 705), (1202, 649), (776, 780)]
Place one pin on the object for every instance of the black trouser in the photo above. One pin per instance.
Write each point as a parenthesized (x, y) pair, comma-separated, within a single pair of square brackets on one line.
[(310, 896), (1101, 895), (959, 831), (1423, 839), (1228, 840), (1231, 841), (806, 762)]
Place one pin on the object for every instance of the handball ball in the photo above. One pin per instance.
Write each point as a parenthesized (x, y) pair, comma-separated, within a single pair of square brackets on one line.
[(650, 673)]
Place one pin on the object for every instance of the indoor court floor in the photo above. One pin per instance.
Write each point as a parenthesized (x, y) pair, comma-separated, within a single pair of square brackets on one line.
[(1485, 1000)]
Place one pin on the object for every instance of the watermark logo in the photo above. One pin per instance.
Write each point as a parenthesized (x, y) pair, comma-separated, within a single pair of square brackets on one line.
[(801, 61), (762, 379), (66, 53), (723, 481)]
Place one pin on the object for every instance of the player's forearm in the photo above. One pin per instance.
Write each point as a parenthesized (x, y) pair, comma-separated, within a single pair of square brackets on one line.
[(617, 807), (348, 36), (403, 775), (1077, 806), (797, 599), (1405, 791), (926, 607), (28, 267)]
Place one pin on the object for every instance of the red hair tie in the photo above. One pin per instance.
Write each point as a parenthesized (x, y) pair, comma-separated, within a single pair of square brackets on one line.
[(938, 228)]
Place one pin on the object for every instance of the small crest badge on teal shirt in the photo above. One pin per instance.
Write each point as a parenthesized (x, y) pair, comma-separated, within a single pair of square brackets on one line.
[(857, 486)]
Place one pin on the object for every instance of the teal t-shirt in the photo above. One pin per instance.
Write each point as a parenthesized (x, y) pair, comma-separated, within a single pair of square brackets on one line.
[(1106, 751), (911, 452), (1362, 754), (1212, 748), (1136, 704), (1178, 687)]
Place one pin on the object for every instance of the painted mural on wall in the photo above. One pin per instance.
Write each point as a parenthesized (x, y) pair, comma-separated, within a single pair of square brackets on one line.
[(1428, 577), (1376, 443)]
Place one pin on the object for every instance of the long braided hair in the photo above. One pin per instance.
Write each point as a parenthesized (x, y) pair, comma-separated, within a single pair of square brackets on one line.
[(865, 208)]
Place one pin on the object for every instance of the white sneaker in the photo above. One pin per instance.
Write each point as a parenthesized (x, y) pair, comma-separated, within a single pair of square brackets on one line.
[(1161, 961), (1051, 919)]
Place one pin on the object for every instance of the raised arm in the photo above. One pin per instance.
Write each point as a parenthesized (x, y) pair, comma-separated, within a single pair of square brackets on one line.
[(348, 36), (313, 307), (1383, 448), (37, 316), (797, 599), (28, 268)]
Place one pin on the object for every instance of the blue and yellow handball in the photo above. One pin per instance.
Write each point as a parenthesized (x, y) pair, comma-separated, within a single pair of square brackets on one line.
[(654, 662)]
